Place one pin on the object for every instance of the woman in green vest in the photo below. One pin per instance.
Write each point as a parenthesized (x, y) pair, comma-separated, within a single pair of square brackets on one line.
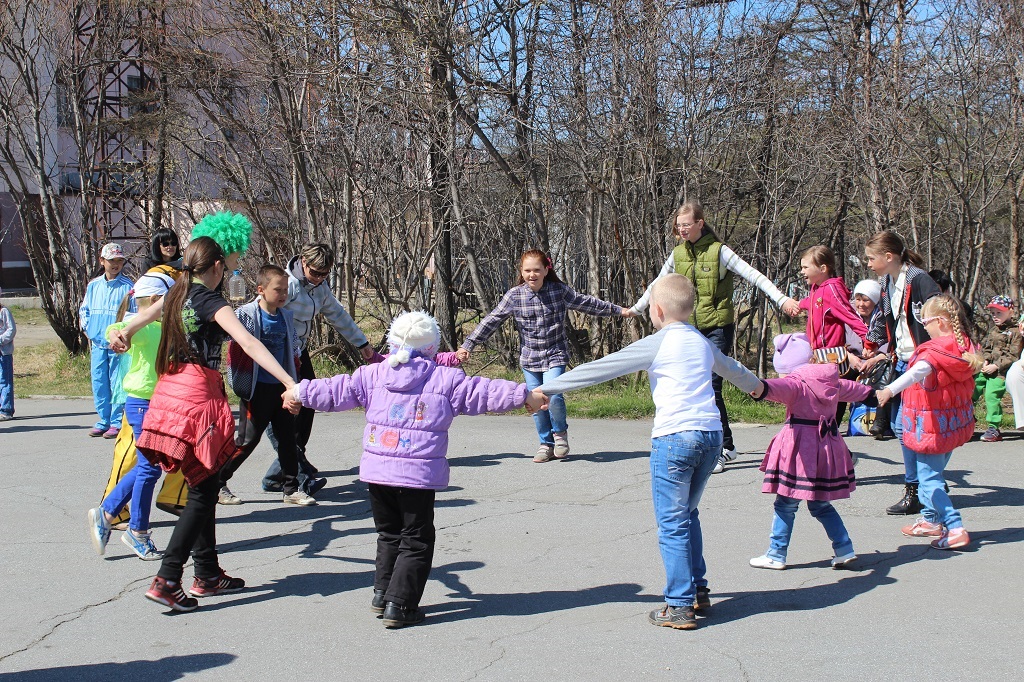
[(711, 266)]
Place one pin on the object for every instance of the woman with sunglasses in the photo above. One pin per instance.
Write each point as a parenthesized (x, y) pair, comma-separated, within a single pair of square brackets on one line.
[(164, 249)]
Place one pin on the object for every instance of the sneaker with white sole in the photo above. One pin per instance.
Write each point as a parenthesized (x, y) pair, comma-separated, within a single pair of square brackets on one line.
[(545, 453), (561, 450), (728, 455), (844, 560), (99, 530), (225, 496), (142, 545), (956, 538), (765, 561), (300, 498)]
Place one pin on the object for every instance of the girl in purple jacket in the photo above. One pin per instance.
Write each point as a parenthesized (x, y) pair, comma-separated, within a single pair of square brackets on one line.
[(410, 402)]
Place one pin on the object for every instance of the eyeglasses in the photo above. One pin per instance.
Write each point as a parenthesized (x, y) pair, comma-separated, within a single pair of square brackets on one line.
[(167, 242)]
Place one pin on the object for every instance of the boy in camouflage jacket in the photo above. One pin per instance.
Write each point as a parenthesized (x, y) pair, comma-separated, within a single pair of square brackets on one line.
[(1001, 347)]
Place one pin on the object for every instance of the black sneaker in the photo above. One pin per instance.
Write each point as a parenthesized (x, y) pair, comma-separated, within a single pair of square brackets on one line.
[(396, 616), (677, 617), (377, 604), (703, 600), (315, 485), (211, 587)]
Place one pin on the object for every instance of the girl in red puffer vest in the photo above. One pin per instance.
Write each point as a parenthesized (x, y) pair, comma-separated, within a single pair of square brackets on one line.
[(938, 415)]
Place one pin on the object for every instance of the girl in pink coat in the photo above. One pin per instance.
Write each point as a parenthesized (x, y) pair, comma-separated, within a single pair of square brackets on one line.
[(808, 459), (829, 311)]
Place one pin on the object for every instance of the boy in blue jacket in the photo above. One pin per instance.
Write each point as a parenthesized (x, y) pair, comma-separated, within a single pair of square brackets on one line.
[(98, 311)]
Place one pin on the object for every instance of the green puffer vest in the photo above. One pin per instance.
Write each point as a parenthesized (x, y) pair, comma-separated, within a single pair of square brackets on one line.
[(700, 262)]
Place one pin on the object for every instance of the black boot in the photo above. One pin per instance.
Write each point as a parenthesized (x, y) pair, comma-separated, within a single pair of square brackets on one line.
[(908, 504), (377, 604), (880, 428), (396, 616)]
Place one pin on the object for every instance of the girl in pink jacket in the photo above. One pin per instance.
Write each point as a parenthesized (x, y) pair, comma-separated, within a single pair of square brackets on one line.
[(410, 403), (829, 311), (808, 459)]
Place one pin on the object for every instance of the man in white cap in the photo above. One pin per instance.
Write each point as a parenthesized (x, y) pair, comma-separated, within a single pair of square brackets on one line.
[(103, 297)]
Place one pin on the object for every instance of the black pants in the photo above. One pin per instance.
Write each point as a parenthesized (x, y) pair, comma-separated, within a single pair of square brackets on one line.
[(254, 415), (722, 338), (404, 518), (851, 375), (196, 530), (303, 425)]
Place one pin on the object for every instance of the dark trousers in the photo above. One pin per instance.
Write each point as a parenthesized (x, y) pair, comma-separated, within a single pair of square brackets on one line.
[(303, 425), (195, 533), (722, 338), (254, 415), (404, 518)]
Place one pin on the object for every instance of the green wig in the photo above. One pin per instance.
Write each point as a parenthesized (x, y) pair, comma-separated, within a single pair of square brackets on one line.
[(231, 231)]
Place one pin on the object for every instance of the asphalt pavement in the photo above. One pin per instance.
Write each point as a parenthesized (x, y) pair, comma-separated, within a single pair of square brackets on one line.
[(542, 571)]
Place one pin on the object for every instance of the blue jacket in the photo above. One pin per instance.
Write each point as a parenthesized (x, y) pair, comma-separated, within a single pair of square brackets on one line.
[(241, 368), (99, 307)]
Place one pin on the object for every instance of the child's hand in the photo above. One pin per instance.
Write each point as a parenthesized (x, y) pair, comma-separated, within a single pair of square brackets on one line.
[(462, 354), (367, 353), (536, 400), (989, 369), (628, 312), (791, 308), (119, 343), (883, 396), (855, 362), (758, 392), (290, 403)]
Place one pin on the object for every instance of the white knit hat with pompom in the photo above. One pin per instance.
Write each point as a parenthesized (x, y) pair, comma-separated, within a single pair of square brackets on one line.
[(413, 332)]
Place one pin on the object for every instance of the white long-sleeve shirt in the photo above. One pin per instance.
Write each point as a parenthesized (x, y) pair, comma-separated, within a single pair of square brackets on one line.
[(728, 261), (679, 362), (915, 374)]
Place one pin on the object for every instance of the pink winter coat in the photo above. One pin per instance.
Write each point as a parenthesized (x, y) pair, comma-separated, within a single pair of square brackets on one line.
[(829, 313), (811, 461), (409, 409)]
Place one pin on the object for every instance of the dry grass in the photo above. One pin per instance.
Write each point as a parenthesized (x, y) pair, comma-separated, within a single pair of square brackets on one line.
[(48, 369)]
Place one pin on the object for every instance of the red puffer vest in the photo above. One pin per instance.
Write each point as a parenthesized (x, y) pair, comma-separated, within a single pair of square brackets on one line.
[(938, 414), (189, 425)]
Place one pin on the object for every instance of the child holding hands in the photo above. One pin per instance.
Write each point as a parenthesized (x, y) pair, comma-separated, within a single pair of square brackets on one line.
[(808, 459), (686, 438), (410, 402), (938, 415)]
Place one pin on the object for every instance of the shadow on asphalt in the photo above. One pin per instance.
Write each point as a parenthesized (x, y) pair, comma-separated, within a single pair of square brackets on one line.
[(162, 670), (57, 415), (63, 427), (299, 585)]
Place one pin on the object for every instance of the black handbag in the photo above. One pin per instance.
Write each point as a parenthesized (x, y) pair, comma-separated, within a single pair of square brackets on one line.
[(880, 375)]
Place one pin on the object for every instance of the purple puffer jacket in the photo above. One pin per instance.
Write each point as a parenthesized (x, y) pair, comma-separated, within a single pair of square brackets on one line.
[(409, 409)]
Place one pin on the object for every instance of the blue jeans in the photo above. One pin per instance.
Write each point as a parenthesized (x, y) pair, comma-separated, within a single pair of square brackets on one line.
[(681, 464), (828, 517), (139, 483), (105, 366), (931, 491), (551, 420), (7, 384)]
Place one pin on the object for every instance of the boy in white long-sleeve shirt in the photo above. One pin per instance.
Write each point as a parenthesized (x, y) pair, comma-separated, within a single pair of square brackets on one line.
[(686, 438)]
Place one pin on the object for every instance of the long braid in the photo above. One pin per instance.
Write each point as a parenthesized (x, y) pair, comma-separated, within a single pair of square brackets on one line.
[(954, 313)]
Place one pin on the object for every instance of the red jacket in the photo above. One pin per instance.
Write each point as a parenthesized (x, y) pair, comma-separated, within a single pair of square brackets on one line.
[(189, 425), (829, 313), (938, 413)]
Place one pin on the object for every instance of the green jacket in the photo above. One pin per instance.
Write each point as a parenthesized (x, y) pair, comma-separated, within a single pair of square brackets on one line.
[(140, 379), (700, 262)]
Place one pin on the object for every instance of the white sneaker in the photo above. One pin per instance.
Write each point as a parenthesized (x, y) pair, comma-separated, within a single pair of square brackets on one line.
[(300, 498), (843, 561), (227, 497), (765, 561), (545, 453), (561, 445), (727, 455)]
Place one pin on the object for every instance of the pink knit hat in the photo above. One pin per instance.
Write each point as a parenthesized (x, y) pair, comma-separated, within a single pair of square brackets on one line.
[(791, 352)]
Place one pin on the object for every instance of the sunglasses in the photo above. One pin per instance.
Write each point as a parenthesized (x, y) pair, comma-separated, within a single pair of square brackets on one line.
[(319, 274), (167, 242)]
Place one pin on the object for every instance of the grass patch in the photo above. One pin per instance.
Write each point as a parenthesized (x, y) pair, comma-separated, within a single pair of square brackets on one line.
[(49, 369), (29, 316)]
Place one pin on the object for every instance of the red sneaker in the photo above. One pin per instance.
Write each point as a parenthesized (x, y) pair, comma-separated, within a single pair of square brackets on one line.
[(211, 587), (922, 529), (171, 595), (952, 539)]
